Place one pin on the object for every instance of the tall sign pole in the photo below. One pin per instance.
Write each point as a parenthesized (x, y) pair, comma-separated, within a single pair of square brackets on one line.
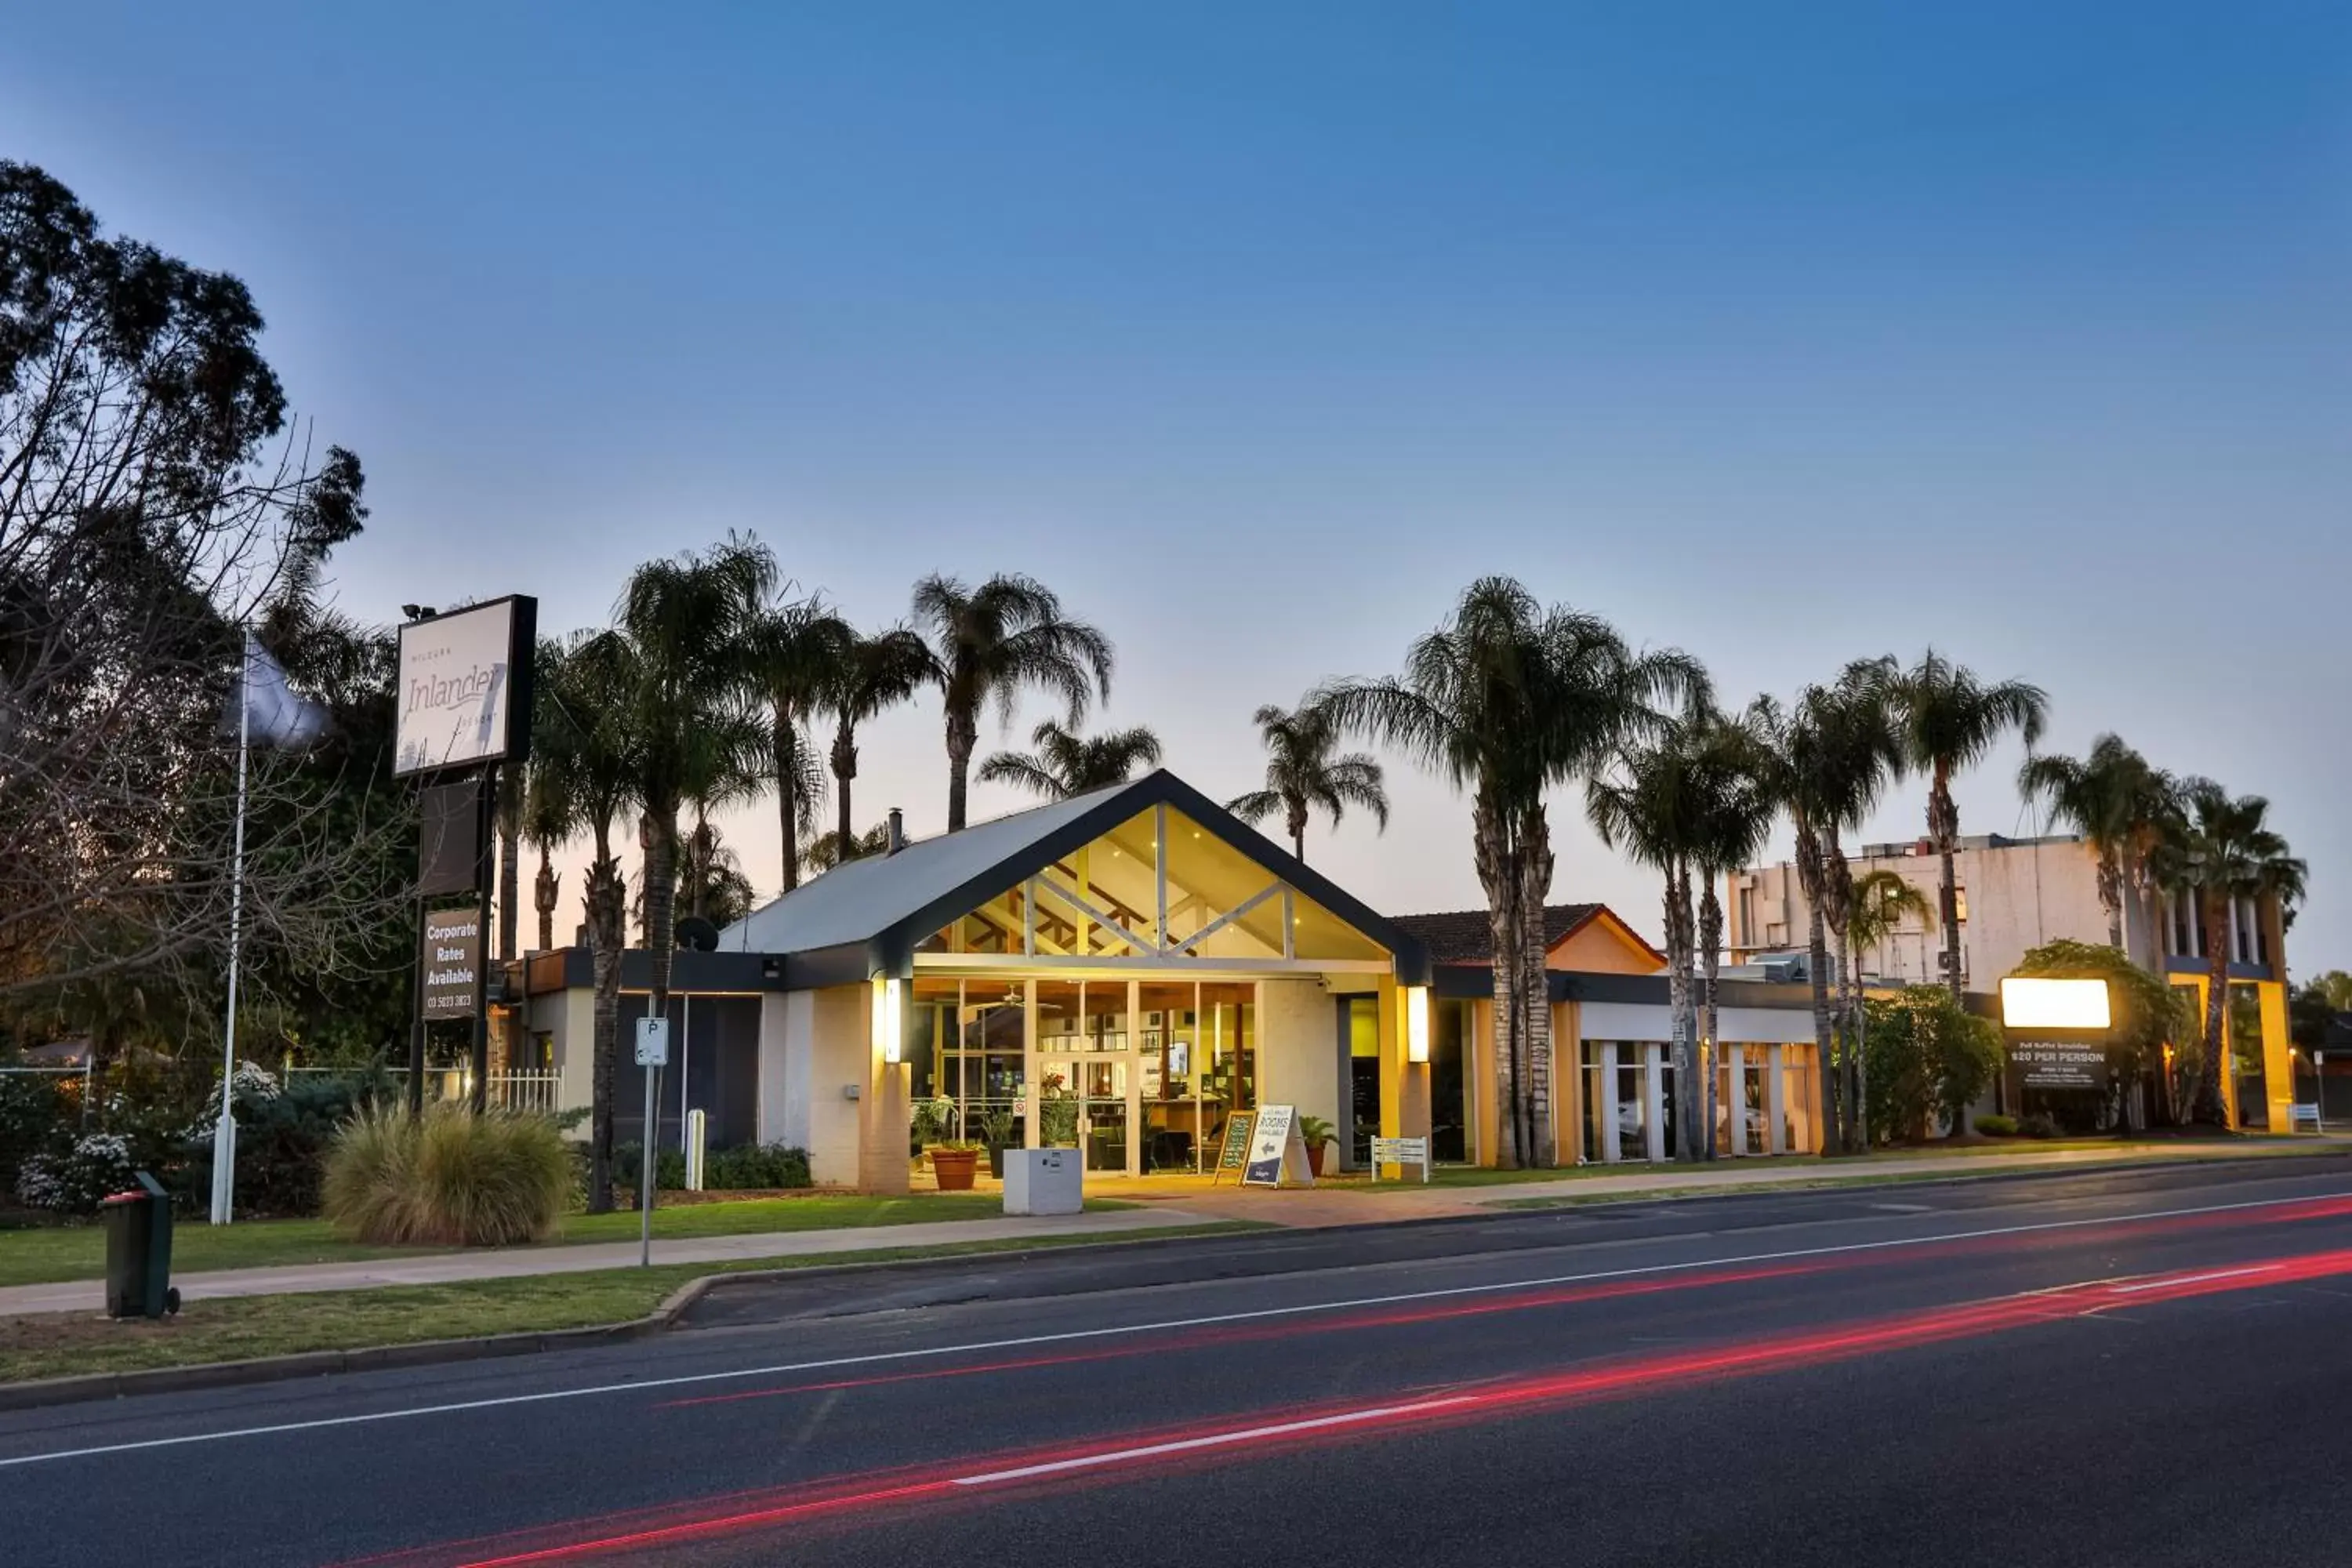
[(464, 710)]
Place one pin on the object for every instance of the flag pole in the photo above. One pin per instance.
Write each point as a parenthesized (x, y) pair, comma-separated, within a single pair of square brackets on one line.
[(225, 1135)]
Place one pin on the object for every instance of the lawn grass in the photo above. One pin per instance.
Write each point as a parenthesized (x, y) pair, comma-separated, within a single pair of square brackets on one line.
[(236, 1327), (79, 1251)]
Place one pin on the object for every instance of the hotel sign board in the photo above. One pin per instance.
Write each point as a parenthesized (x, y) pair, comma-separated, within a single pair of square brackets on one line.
[(451, 963), (2060, 1064), (466, 687)]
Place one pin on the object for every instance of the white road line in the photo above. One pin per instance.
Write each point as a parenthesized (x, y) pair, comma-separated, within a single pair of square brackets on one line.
[(1212, 1319), (2172, 1279), (1217, 1440)]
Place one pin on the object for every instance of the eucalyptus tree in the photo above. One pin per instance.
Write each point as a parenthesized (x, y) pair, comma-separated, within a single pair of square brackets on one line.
[(1306, 773), (875, 674), (2222, 848), (2119, 803), (589, 750), (1826, 759), (798, 649), (1063, 764), (1950, 721), (990, 644), (1504, 699)]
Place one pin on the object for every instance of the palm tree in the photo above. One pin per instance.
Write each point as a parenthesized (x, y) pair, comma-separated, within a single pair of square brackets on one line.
[(1302, 774), (550, 819), (729, 768), (875, 674), (1735, 816), (1504, 699), (797, 651), (2118, 802), (1065, 764), (1881, 901), (824, 852), (587, 755), (1952, 721), (1648, 803), (1826, 759), (2223, 849), (989, 645), (514, 785), (687, 621)]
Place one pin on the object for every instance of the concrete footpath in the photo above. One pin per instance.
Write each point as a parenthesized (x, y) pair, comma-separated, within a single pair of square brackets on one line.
[(449, 1268), (1165, 1202)]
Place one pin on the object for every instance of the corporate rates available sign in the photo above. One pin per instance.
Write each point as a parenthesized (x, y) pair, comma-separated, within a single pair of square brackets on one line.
[(464, 686)]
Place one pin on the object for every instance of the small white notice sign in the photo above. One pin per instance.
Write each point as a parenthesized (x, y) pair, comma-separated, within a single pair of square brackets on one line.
[(653, 1042)]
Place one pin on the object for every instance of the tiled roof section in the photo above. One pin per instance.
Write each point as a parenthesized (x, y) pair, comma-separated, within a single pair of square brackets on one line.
[(1459, 936)]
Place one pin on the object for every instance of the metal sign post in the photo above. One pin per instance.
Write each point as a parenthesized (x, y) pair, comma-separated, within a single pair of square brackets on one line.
[(653, 1051)]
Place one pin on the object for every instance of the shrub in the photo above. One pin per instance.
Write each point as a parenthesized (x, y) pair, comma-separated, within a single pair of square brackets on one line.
[(2040, 1124), (756, 1167), (450, 1179), (669, 1169), (1926, 1059), (38, 1116), (283, 1136), (76, 1179), (1993, 1125)]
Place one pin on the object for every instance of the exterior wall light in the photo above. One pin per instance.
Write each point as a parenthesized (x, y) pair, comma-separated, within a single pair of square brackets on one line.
[(2053, 1003), (889, 1020), (1416, 1023)]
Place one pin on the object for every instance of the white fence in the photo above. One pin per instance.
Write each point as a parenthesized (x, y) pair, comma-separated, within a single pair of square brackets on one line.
[(537, 1091)]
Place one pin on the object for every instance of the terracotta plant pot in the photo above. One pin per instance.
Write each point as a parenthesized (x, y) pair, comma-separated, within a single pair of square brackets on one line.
[(954, 1168), (1315, 1152)]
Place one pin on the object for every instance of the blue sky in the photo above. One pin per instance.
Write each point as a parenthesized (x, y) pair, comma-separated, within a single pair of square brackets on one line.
[(1780, 333)]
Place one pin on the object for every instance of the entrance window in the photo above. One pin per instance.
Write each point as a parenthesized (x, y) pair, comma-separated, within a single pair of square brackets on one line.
[(1173, 1118), (1632, 1102), (1228, 1028), (1449, 1097), (1595, 1099)]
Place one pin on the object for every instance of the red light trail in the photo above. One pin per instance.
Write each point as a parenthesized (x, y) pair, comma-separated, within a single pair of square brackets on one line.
[(1230, 1438)]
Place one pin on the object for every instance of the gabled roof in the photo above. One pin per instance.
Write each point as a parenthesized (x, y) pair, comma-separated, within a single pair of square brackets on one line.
[(1465, 936), (886, 904), (1457, 936)]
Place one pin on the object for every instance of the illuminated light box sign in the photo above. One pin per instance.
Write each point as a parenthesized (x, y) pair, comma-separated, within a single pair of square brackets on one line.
[(466, 687), (2038, 1004), (2059, 1064)]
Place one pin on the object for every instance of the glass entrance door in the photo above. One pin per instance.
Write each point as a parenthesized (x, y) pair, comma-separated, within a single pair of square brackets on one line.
[(1082, 1103)]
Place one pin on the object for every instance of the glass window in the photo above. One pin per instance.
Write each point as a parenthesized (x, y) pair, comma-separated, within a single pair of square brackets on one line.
[(1449, 1081)]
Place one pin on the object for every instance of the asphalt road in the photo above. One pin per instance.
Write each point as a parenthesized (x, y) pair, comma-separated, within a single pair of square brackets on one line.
[(2150, 1368)]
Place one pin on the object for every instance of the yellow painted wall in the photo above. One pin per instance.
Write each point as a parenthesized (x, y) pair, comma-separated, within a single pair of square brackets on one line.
[(2278, 1067), (1600, 947)]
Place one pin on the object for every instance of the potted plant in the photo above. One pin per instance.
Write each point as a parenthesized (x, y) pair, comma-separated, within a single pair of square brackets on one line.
[(996, 1133), (953, 1164), (1317, 1135), (1057, 1114), (928, 1121)]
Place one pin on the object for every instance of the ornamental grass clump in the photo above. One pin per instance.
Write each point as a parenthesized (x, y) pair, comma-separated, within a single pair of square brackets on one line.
[(450, 1179)]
